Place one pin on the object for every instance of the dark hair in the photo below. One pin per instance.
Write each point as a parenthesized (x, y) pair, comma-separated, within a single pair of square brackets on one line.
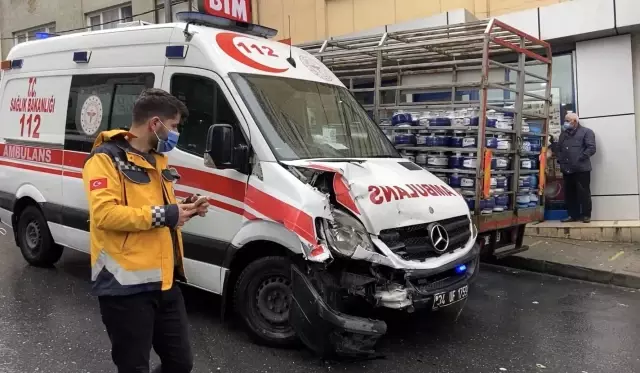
[(154, 102)]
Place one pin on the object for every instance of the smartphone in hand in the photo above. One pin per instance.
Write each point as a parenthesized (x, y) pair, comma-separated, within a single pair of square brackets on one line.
[(200, 201)]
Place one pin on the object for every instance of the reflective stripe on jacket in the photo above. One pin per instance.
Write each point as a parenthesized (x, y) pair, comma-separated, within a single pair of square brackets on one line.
[(132, 207)]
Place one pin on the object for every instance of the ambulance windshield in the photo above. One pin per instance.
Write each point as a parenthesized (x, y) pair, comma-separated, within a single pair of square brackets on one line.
[(303, 119)]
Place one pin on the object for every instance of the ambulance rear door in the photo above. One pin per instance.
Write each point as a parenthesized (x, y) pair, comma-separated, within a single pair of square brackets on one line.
[(32, 113)]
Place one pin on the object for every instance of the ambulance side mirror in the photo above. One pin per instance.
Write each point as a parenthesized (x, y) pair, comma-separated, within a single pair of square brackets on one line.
[(220, 145)]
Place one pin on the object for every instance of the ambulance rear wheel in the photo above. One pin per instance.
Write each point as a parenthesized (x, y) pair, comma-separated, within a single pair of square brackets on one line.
[(35, 241), (262, 298)]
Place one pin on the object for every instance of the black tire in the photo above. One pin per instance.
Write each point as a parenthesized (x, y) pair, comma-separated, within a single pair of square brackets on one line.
[(262, 298), (35, 241)]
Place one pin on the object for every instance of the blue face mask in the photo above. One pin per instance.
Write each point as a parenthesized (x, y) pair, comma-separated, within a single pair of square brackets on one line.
[(567, 126), (165, 146)]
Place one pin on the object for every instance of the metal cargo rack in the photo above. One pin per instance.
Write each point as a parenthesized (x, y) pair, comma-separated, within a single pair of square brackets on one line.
[(385, 64)]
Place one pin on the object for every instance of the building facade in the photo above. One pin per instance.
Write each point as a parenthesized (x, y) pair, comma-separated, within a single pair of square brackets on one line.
[(20, 20), (596, 73), (298, 20)]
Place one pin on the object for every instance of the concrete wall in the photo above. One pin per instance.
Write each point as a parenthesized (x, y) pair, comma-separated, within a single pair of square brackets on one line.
[(25, 14)]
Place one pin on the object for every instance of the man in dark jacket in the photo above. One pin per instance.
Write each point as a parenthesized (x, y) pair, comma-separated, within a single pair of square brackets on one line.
[(574, 148)]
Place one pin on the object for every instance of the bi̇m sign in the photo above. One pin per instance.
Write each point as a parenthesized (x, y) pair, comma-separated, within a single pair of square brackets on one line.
[(237, 10)]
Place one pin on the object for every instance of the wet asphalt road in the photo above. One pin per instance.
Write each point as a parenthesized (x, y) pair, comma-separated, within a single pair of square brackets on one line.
[(513, 322)]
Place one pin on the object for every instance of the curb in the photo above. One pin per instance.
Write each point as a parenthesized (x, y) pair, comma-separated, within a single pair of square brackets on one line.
[(570, 271)]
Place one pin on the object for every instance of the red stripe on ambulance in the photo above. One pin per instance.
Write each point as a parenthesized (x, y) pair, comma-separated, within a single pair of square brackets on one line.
[(213, 183), (343, 196), (30, 153), (292, 218)]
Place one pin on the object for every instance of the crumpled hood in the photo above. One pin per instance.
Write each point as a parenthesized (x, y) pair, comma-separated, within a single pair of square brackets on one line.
[(390, 193)]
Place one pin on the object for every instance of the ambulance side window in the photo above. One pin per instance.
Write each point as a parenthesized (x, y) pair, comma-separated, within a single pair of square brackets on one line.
[(100, 102), (207, 105)]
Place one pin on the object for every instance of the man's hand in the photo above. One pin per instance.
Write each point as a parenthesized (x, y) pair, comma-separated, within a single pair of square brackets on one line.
[(186, 210)]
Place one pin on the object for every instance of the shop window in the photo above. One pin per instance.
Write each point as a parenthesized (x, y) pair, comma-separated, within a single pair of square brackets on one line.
[(366, 98), (207, 105), (562, 84), (101, 102), (562, 87)]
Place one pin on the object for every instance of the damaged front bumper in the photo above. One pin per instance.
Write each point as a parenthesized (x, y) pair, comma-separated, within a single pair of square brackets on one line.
[(318, 313), (325, 330), (420, 285)]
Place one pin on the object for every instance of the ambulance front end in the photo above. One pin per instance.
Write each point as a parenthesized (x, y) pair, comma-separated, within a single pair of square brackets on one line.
[(377, 231)]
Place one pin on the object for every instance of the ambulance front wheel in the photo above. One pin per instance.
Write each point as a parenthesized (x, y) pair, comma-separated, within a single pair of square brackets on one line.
[(35, 240), (262, 298)]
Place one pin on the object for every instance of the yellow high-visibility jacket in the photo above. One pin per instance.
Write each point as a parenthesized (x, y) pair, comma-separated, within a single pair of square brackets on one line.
[(132, 209)]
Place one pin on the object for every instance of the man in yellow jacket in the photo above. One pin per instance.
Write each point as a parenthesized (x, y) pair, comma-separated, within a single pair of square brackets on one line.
[(136, 244)]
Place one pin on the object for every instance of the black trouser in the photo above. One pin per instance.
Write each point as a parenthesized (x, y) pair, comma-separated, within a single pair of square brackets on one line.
[(137, 322), (577, 194)]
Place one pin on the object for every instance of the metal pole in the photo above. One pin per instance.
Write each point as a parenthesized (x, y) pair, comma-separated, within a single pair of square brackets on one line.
[(376, 85), (517, 123), (168, 14), (481, 142)]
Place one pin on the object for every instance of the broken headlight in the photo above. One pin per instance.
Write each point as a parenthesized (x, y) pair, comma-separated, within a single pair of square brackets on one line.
[(345, 234)]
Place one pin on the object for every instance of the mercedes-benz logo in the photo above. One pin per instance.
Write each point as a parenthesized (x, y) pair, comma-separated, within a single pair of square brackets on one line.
[(439, 238)]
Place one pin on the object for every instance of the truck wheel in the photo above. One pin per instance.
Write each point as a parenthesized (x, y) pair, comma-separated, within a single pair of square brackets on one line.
[(262, 297), (35, 241)]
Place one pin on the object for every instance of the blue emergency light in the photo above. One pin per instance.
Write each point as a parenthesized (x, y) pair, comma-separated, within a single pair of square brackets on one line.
[(462, 268), (16, 64), (43, 35), (176, 52), (81, 57)]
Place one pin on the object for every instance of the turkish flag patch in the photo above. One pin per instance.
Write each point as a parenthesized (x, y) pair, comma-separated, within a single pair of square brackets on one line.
[(98, 184)]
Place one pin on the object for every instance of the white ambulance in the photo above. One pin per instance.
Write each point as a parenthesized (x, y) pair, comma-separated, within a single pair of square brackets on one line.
[(313, 214)]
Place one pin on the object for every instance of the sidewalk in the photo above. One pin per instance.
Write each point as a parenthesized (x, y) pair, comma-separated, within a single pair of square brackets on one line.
[(604, 230), (604, 262)]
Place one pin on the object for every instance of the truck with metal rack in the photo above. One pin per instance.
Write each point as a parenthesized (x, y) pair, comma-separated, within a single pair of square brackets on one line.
[(470, 103)]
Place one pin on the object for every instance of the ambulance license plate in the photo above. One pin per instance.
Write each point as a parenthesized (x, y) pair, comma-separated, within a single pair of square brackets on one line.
[(448, 298)]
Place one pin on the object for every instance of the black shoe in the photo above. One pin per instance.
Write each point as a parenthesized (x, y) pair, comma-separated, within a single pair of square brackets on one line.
[(568, 220), (586, 220)]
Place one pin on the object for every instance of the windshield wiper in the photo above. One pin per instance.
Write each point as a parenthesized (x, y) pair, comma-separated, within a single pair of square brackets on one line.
[(348, 160)]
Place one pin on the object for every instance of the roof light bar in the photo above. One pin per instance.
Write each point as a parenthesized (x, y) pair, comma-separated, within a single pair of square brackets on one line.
[(81, 57), (197, 18), (11, 64), (43, 35), (176, 52)]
